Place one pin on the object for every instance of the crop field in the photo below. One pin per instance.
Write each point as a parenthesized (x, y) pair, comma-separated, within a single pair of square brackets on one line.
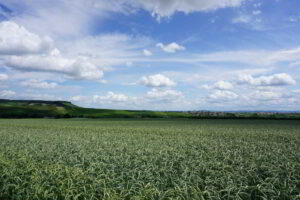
[(149, 159)]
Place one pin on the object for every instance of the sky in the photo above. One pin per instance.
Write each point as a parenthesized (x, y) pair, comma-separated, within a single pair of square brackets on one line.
[(153, 54)]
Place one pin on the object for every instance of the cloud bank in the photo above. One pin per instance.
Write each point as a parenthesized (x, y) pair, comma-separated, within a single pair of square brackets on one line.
[(157, 80), (166, 8), (272, 80), (23, 50), (16, 40)]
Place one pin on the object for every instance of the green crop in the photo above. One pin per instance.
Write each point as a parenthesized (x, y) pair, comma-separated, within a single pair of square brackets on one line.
[(149, 159)]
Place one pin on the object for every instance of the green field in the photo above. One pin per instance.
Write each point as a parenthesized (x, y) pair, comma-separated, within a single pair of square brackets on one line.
[(149, 159)]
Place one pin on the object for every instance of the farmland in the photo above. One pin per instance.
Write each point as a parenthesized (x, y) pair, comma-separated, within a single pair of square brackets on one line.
[(149, 159)]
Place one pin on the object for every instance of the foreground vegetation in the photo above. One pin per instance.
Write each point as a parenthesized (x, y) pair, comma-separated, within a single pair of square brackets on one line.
[(149, 159), (65, 109)]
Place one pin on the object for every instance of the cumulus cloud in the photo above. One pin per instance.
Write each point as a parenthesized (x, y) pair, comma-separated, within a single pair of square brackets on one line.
[(155, 98), (110, 97), (163, 94), (88, 100), (170, 48), (7, 93), (3, 77), (265, 95), (157, 80), (27, 51), (34, 83), (147, 52), (272, 80), (16, 40), (79, 68), (160, 8), (220, 85), (40, 96), (222, 96)]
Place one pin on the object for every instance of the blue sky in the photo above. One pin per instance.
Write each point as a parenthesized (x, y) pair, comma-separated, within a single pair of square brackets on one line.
[(153, 54)]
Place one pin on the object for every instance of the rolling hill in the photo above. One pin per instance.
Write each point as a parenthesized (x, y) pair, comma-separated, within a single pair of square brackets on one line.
[(65, 109)]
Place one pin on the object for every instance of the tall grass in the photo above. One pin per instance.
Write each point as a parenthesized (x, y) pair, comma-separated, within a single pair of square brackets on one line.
[(149, 159)]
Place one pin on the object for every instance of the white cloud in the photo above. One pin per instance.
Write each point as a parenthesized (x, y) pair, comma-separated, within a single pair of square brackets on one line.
[(272, 80), (103, 81), (265, 95), (73, 18), (56, 18), (77, 98), (110, 97), (220, 85), (79, 68), (153, 100), (108, 50), (294, 18), (39, 96), (253, 57), (163, 8), (84, 100), (285, 55), (252, 20), (7, 93), (3, 77), (170, 48), (242, 19), (164, 94), (222, 96), (34, 83), (197, 77), (257, 5), (129, 64), (157, 80), (147, 52), (256, 12), (295, 64), (27, 51), (16, 40)]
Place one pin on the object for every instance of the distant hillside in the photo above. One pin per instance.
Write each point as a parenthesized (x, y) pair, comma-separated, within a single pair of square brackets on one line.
[(34, 108), (65, 109)]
